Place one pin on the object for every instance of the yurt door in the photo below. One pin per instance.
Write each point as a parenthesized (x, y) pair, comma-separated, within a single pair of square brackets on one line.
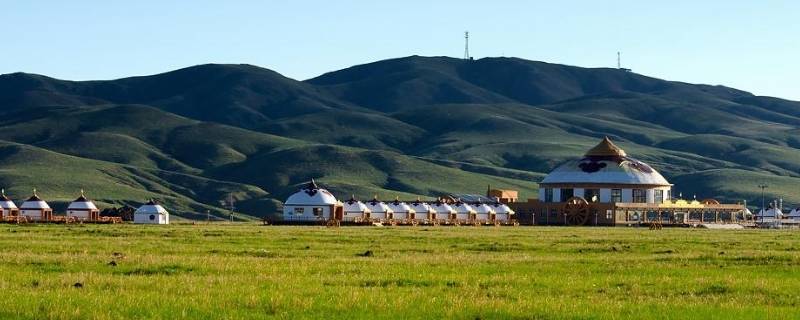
[(338, 213)]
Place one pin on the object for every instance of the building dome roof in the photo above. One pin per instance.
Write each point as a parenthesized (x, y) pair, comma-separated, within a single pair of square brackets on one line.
[(482, 208), (5, 201), (442, 208), (461, 207), (82, 203), (151, 207), (502, 208), (354, 205), (421, 207), (34, 202), (377, 206), (400, 207), (606, 163), (311, 195)]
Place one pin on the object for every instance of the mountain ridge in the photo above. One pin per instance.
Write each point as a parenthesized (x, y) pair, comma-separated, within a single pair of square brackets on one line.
[(393, 127)]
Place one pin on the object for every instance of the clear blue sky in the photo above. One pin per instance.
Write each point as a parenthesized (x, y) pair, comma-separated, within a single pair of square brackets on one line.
[(750, 45)]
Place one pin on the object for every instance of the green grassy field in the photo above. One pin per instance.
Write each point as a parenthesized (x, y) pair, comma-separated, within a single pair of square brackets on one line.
[(247, 271)]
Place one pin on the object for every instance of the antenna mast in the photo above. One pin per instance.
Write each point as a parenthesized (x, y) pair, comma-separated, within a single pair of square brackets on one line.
[(466, 45), (619, 63)]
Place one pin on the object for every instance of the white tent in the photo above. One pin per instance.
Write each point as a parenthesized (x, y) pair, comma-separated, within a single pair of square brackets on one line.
[(310, 203), (151, 213), (83, 209), (36, 209), (379, 210), (355, 210)]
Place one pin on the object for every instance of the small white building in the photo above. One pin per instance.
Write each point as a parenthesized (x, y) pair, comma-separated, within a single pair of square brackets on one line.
[(8, 207), (422, 211), (483, 212), (402, 211), (502, 212), (151, 213), (83, 209), (355, 210), (443, 211), (312, 203), (380, 212), (36, 209), (464, 211)]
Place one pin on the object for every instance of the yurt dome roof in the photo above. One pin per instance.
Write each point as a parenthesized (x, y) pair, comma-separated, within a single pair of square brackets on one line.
[(151, 207), (420, 206), (5, 201), (82, 203), (462, 207), (606, 163), (400, 206), (378, 206), (34, 202), (483, 208), (354, 205), (441, 207), (311, 195), (501, 208)]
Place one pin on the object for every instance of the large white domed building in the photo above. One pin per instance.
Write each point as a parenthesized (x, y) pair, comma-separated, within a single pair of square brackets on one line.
[(605, 174), (607, 187), (312, 203)]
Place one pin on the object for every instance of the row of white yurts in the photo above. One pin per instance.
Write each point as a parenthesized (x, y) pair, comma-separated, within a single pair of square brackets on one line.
[(313, 203), (80, 209)]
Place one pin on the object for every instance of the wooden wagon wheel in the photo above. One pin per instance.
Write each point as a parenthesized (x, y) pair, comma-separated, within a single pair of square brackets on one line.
[(576, 210)]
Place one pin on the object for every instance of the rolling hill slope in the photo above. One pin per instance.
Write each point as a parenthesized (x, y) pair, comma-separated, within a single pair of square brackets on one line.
[(414, 126)]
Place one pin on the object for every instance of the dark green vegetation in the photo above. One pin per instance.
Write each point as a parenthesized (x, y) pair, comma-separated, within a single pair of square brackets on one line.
[(401, 127), (252, 272)]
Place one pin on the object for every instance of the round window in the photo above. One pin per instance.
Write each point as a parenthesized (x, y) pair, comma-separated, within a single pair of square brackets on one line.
[(152, 217)]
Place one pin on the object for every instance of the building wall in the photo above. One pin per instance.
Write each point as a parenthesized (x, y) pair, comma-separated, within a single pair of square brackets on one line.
[(605, 194), (306, 213), (144, 218), (79, 214)]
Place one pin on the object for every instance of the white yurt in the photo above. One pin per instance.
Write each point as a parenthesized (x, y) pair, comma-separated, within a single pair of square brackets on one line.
[(794, 214), (8, 206), (483, 212), (443, 211), (422, 211), (769, 215), (464, 211), (502, 212), (379, 211), (355, 210), (311, 203), (83, 209), (402, 211), (36, 209), (151, 213)]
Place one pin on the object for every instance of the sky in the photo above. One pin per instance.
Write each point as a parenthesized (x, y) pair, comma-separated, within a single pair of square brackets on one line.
[(749, 45)]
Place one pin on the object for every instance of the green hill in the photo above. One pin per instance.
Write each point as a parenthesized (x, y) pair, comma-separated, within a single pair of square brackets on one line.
[(408, 127)]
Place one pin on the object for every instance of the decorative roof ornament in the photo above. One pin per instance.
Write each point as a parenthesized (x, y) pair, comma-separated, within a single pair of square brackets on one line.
[(311, 188), (82, 198), (35, 196), (3, 197), (606, 148)]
